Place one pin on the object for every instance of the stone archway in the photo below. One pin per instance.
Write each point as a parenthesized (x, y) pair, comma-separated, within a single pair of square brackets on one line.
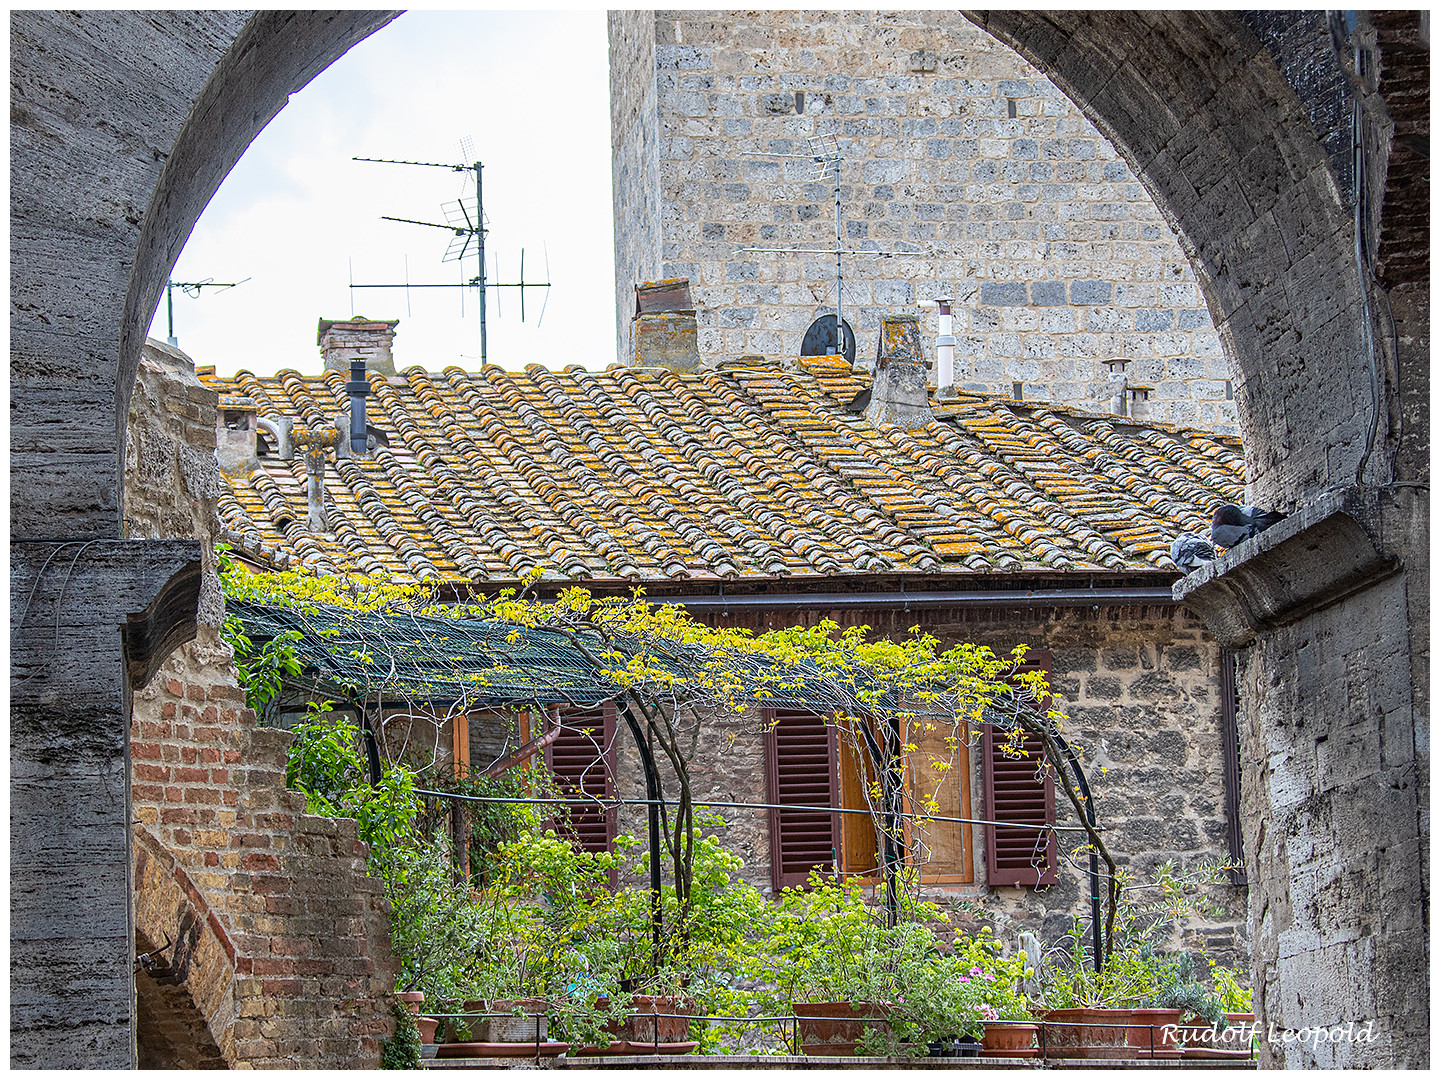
[(1217, 113), (123, 125)]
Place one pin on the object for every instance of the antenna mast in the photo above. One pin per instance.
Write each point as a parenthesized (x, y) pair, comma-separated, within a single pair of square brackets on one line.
[(192, 290), (828, 158), (466, 223)]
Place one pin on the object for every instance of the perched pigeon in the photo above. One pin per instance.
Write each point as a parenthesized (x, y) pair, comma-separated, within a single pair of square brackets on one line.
[(1189, 551), (1232, 524)]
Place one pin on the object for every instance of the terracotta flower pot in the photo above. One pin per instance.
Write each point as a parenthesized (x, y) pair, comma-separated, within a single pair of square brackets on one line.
[(411, 1000), (645, 1026), (833, 1028), (1154, 1032), (1008, 1035), (1087, 1033), (427, 1026)]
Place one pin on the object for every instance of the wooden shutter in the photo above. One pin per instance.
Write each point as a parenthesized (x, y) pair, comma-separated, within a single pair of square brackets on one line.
[(581, 760), (801, 759), (947, 843), (1015, 793), (1230, 749)]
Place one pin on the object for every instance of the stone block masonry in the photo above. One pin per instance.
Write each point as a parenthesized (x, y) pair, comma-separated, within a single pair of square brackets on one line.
[(953, 147)]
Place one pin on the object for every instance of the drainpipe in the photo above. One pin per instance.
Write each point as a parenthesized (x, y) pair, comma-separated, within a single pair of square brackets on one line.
[(358, 388)]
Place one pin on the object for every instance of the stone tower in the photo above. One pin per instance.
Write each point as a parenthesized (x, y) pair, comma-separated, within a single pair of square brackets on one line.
[(953, 147)]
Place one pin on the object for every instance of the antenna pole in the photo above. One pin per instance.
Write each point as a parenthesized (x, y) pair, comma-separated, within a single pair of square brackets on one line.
[(480, 227), (839, 296), (170, 337)]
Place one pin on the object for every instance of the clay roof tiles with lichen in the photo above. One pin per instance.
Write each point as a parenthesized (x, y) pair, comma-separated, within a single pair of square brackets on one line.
[(646, 474)]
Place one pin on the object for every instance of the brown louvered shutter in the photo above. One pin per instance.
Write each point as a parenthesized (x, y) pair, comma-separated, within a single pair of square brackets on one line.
[(1014, 792), (801, 761), (579, 758), (1230, 749)]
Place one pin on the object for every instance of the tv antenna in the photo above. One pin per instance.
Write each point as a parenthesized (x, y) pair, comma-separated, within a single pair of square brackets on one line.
[(191, 289), (465, 221), (825, 153)]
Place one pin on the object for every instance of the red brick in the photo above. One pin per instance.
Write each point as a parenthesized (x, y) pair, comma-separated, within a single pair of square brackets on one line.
[(262, 965), (140, 771), (144, 751), (184, 775), (232, 757), (195, 692), (170, 753), (175, 687), (167, 711), (177, 816), (208, 754), (212, 858), (201, 795), (181, 836), (221, 692), (259, 860), (281, 987), (189, 754), (147, 793), (219, 776), (174, 795), (231, 797)]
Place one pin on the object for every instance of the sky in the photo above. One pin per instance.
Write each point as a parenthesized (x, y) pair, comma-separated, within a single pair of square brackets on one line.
[(296, 217)]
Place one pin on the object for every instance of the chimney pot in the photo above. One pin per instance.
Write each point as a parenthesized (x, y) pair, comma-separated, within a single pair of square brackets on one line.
[(900, 394), (664, 331), (370, 340)]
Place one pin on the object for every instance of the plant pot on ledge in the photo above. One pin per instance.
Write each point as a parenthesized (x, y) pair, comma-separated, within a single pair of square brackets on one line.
[(1154, 1032), (833, 1028), (411, 999), (1004, 1037), (1087, 1033)]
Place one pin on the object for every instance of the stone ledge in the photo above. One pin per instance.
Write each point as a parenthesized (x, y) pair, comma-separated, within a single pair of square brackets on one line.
[(1319, 555)]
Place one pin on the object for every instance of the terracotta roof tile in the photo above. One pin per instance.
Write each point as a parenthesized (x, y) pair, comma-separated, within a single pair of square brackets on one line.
[(751, 472)]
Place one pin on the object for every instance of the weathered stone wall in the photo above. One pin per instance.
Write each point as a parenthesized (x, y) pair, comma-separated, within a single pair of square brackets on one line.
[(1142, 689), (954, 147), (635, 161), (282, 951)]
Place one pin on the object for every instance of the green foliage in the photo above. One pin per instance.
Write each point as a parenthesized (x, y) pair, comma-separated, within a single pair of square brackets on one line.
[(261, 671), (1234, 998), (402, 1050)]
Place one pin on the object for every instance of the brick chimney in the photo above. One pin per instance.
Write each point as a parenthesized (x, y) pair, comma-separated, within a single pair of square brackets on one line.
[(664, 329), (900, 395), (357, 339)]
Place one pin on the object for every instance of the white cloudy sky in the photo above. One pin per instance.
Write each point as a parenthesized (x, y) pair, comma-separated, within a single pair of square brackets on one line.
[(531, 89)]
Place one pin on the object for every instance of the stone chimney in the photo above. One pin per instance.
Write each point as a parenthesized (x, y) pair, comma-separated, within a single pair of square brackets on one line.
[(900, 395), (664, 328), (357, 339), (237, 422)]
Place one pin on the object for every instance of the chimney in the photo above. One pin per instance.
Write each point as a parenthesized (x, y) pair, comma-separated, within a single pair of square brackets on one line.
[(358, 388), (236, 426), (945, 348), (900, 395), (342, 343), (1117, 386), (316, 446), (664, 330)]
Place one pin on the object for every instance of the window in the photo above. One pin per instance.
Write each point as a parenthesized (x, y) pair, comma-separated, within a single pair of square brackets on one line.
[(1018, 791), (827, 775), (939, 769), (582, 759), (815, 771)]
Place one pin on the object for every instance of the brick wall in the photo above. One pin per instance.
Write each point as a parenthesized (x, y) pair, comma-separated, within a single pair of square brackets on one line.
[(1141, 687), (955, 147), (282, 949), (307, 928)]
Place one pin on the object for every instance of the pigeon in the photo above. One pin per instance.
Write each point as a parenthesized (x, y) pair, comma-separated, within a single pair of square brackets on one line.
[(1232, 524), (860, 402), (1188, 551)]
